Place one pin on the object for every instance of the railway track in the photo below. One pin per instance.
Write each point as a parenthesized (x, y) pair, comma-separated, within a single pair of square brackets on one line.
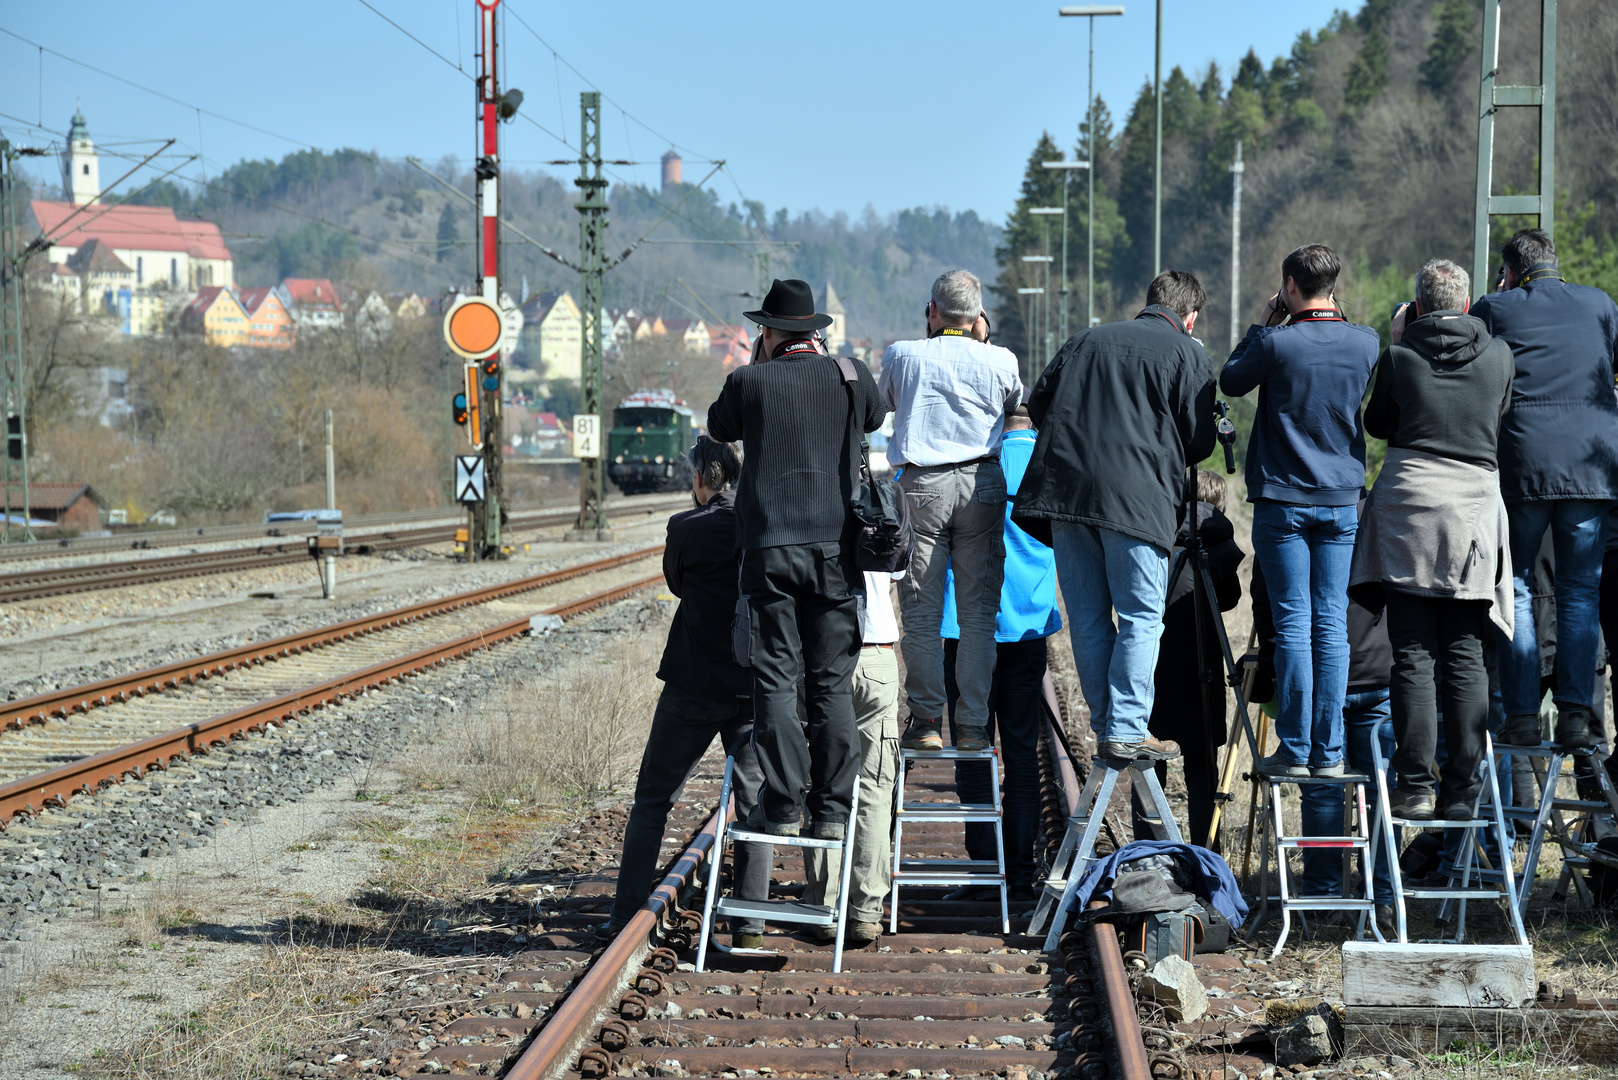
[(950, 995), (58, 581), (59, 744)]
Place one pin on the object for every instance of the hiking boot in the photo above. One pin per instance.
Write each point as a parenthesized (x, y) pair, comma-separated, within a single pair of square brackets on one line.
[(860, 934), (828, 830), (972, 738), (1276, 765), (1574, 728), (1148, 749), (608, 930), (825, 935), (1327, 772), (924, 734), (746, 941), (1455, 811), (1411, 805), (781, 828), (1520, 730), (1387, 920)]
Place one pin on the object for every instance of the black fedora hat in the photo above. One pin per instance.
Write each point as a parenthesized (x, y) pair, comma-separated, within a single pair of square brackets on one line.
[(790, 305)]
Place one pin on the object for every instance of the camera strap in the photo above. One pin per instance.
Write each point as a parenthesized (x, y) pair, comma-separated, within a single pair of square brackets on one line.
[(1318, 315), (950, 331), (1541, 272)]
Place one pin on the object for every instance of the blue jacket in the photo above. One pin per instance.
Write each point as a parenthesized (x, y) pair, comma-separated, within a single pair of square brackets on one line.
[(1215, 883), (1307, 445), (1559, 436), (1028, 595)]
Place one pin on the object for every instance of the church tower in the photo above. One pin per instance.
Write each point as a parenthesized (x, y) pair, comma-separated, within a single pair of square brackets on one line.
[(81, 168)]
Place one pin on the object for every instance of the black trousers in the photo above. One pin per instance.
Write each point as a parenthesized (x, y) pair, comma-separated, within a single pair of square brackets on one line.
[(1430, 634), (805, 627), (682, 728), (1014, 724)]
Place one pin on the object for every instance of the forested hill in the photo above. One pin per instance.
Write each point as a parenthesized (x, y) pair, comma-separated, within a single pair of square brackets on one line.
[(1363, 137), (353, 216)]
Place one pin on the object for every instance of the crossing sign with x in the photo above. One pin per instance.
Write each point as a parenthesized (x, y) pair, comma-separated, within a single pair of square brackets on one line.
[(469, 478)]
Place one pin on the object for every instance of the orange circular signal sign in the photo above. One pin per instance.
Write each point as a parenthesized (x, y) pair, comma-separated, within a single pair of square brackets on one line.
[(473, 327)]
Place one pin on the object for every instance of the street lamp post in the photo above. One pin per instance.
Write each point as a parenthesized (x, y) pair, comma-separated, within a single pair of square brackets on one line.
[(1090, 11), (1067, 168), (1045, 212)]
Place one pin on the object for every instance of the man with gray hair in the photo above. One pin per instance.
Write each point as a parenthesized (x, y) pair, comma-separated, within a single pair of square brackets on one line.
[(1433, 545), (950, 395)]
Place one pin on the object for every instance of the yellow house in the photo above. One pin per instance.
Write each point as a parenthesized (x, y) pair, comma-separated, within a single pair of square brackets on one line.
[(219, 315), (552, 338)]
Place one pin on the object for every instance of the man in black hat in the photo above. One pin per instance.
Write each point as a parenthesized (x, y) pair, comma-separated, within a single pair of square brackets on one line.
[(800, 424)]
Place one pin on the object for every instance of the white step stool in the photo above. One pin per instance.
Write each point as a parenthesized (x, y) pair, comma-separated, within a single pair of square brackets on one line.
[(777, 911), (1077, 852), (916, 872)]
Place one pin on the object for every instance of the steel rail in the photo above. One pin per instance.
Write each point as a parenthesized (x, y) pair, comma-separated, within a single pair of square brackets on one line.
[(1133, 1062), (290, 530), (59, 581), (74, 699), (53, 788), (569, 1027)]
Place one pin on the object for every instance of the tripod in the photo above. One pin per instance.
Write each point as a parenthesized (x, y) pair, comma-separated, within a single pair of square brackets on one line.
[(1205, 605)]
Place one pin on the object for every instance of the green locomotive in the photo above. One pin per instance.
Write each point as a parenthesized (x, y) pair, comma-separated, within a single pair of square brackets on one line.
[(646, 449)]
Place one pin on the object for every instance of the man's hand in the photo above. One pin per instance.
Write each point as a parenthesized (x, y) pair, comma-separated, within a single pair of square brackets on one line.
[(980, 328), (1397, 329), (1266, 314)]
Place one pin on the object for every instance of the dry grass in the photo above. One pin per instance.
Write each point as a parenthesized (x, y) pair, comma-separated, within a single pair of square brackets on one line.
[(572, 735), (288, 999)]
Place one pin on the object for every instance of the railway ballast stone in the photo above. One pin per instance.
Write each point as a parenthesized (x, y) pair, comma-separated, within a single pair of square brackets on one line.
[(1309, 1040), (1173, 983)]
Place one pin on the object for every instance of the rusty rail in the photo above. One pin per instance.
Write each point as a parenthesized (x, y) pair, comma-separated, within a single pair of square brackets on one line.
[(32, 794), (568, 1029), (60, 581), (1126, 1037), (60, 703)]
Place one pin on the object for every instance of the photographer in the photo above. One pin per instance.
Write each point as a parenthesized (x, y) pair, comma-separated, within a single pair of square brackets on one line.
[(950, 395), (705, 692), (795, 528), (1121, 411), (1305, 469), (1558, 469), (1435, 535)]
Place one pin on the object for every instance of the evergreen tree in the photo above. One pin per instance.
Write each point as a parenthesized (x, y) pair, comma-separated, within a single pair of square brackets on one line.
[(1368, 75), (1250, 74), (1024, 234), (448, 234), (1451, 44)]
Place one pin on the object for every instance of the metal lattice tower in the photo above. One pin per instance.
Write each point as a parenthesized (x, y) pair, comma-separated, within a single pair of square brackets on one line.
[(13, 469), (1491, 98), (592, 207)]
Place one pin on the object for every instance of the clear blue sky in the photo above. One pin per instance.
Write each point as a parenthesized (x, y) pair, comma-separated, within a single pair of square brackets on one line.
[(836, 105)]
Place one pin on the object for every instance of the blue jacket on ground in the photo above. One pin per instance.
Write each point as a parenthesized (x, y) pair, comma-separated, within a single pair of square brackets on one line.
[(1559, 436), (1308, 446), (1215, 883), (1028, 595)]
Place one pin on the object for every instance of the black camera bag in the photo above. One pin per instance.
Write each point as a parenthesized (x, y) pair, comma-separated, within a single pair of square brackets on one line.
[(884, 536)]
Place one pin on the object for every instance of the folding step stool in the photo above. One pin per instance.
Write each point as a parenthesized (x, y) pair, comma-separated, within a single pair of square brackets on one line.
[(1472, 884), (1360, 841), (1077, 852), (777, 911), (914, 872), (1548, 761)]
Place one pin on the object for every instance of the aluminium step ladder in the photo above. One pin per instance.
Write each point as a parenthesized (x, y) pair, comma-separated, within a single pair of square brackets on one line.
[(1077, 851), (911, 873), (1361, 840), (777, 911), (1590, 815), (1467, 882)]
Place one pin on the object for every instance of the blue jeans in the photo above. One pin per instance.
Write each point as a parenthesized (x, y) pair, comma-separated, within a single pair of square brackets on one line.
[(1366, 716), (1101, 571), (1578, 538), (1306, 553)]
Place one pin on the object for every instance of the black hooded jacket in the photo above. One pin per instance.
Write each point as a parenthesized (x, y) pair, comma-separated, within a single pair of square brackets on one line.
[(1442, 389), (1121, 412)]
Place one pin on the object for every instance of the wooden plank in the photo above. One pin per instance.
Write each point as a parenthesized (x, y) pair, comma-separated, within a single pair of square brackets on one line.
[(1588, 1034), (1438, 976)]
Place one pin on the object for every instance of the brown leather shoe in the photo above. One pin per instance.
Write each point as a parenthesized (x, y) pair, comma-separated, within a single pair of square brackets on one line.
[(1148, 749)]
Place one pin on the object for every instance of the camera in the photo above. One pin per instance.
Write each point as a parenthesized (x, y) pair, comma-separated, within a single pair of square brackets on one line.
[(1226, 430)]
